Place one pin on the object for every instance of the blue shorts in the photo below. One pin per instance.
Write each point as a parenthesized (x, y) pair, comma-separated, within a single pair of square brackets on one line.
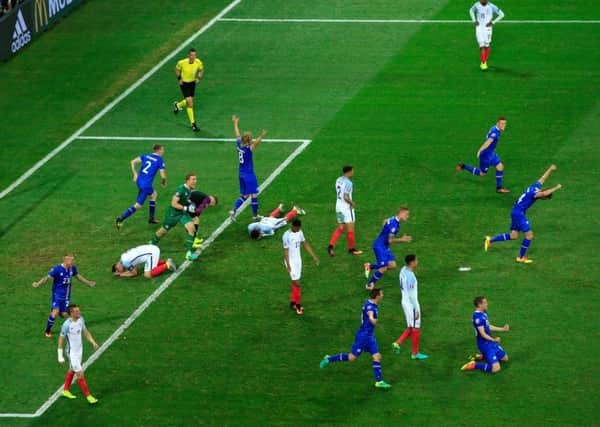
[(143, 193), (61, 303), (248, 184), (486, 162), (492, 353), (363, 343), (383, 255), (519, 222)]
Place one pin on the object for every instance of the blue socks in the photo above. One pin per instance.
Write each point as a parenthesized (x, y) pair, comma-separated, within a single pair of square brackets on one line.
[(485, 367), (501, 237), (376, 276), (377, 370), (152, 209), (254, 204), (473, 170), (50, 323), (342, 357), (524, 247), (499, 176), (127, 214), (373, 266), (239, 202)]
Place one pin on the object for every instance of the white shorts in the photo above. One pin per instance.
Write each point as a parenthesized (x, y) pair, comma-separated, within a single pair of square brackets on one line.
[(483, 35), (410, 312), (295, 269), (75, 357), (345, 215)]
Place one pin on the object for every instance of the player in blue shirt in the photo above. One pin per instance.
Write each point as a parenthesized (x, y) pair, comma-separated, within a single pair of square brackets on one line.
[(364, 339), (248, 181), (61, 276), (381, 246), (150, 165), (519, 222), (488, 157), (489, 346)]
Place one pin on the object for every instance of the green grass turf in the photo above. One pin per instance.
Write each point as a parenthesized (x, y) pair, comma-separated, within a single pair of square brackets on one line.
[(401, 103)]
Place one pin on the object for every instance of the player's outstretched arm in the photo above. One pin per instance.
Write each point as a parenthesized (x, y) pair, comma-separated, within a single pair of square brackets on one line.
[(309, 249), (40, 282), (82, 279), (236, 123), (404, 239), (504, 328), (548, 192), (485, 145), (134, 164), (61, 344), (546, 174), (486, 336), (90, 338), (258, 140)]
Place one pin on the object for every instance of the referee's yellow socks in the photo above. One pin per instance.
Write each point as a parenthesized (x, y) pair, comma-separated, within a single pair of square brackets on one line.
[(181, 104), (190, 113)]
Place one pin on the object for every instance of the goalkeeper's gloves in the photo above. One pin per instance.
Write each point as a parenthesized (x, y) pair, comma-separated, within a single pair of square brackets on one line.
[(191, 208), (61, 358)]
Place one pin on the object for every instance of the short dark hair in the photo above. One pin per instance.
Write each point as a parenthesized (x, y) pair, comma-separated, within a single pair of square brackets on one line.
[(192, 50), (501, 118), (255, 234), (374, 293), (409, 258), (157, 147), (478, 300), (114, 267), (216, 199), (347, 169), (189, 175), (296, 222), (71, 307)]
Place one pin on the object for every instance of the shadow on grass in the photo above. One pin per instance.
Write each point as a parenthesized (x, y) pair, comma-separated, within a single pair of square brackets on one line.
[(512, 73)]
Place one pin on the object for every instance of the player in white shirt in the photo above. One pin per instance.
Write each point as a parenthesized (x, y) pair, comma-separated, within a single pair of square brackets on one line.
[(411, 307), (292, 240), (482, 14), (148, 255), (344, 211), (71, 332), (267, 226)]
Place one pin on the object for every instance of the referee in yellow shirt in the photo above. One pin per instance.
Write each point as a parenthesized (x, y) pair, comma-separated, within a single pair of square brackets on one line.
[(189, 71)]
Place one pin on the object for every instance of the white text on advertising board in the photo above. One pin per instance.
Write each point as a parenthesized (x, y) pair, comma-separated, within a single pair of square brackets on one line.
[(58, 5)]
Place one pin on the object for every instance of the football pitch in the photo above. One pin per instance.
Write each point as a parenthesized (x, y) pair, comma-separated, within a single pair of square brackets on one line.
[(390, 87)]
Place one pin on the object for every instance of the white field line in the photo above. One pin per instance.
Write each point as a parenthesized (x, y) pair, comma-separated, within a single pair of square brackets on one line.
[(168, 138), (118, 99), (163, 287), (402, 21)]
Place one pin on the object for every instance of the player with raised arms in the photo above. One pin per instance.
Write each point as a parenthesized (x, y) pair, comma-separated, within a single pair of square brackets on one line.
[(489, 346), (488, 157), (150, 164), (61, 276), (519, 222), (146, 255), (267, 226), (381, 247), (344, 210), (365, 338), (482, 15), (248, 182)]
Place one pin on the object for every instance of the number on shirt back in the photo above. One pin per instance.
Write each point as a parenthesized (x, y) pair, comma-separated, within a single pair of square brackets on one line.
[(521, 198), (241, 156), (338, 189), (146, 167)]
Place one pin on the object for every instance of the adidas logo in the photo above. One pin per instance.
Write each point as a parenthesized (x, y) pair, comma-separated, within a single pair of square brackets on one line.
[(21, 36)]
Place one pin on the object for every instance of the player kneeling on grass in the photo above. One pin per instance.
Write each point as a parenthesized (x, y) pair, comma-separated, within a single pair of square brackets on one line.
[(488, 345), (365, 339), (72, 330), (267, 226), (292, 239), (149, 255)]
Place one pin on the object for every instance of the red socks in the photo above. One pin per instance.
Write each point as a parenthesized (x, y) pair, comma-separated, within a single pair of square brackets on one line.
[(68, 380), (350, 236), (415, 341), (295, 296), (484, 54), (276, 213), (158, 269), (290, 215), (404, 335), (161, 262), (83, 386), (336, 235)]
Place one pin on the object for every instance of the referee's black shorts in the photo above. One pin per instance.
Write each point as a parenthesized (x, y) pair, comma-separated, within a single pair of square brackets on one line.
[(188, 89)]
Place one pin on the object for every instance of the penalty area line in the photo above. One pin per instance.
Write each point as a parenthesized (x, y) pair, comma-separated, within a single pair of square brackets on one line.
[(403, 21), (169, 138)]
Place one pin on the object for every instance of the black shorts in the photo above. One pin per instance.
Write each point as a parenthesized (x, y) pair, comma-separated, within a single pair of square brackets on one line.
[(188, 89)]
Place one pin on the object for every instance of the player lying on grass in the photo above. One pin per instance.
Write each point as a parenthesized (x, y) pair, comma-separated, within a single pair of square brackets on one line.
[(489, 347), (488, 157), (71, 332), (183, 210), (149, 256), (381, 246), (519, 222), (365, 338), (61, 276), (482, 15), (344, 212), (248, 182), (267, 226)]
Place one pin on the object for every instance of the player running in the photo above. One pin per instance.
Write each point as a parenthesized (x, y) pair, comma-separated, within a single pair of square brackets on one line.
[(482, 15), (71, 332), (149, 256), (267, 226), (519, 222), (150, 165), (344, 210), (185, 212), (365, 338), (488, 157), (61, 276), (189, 71), (292, 239), (248, 181), (411, 307), (381, 247), (488, 345)]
